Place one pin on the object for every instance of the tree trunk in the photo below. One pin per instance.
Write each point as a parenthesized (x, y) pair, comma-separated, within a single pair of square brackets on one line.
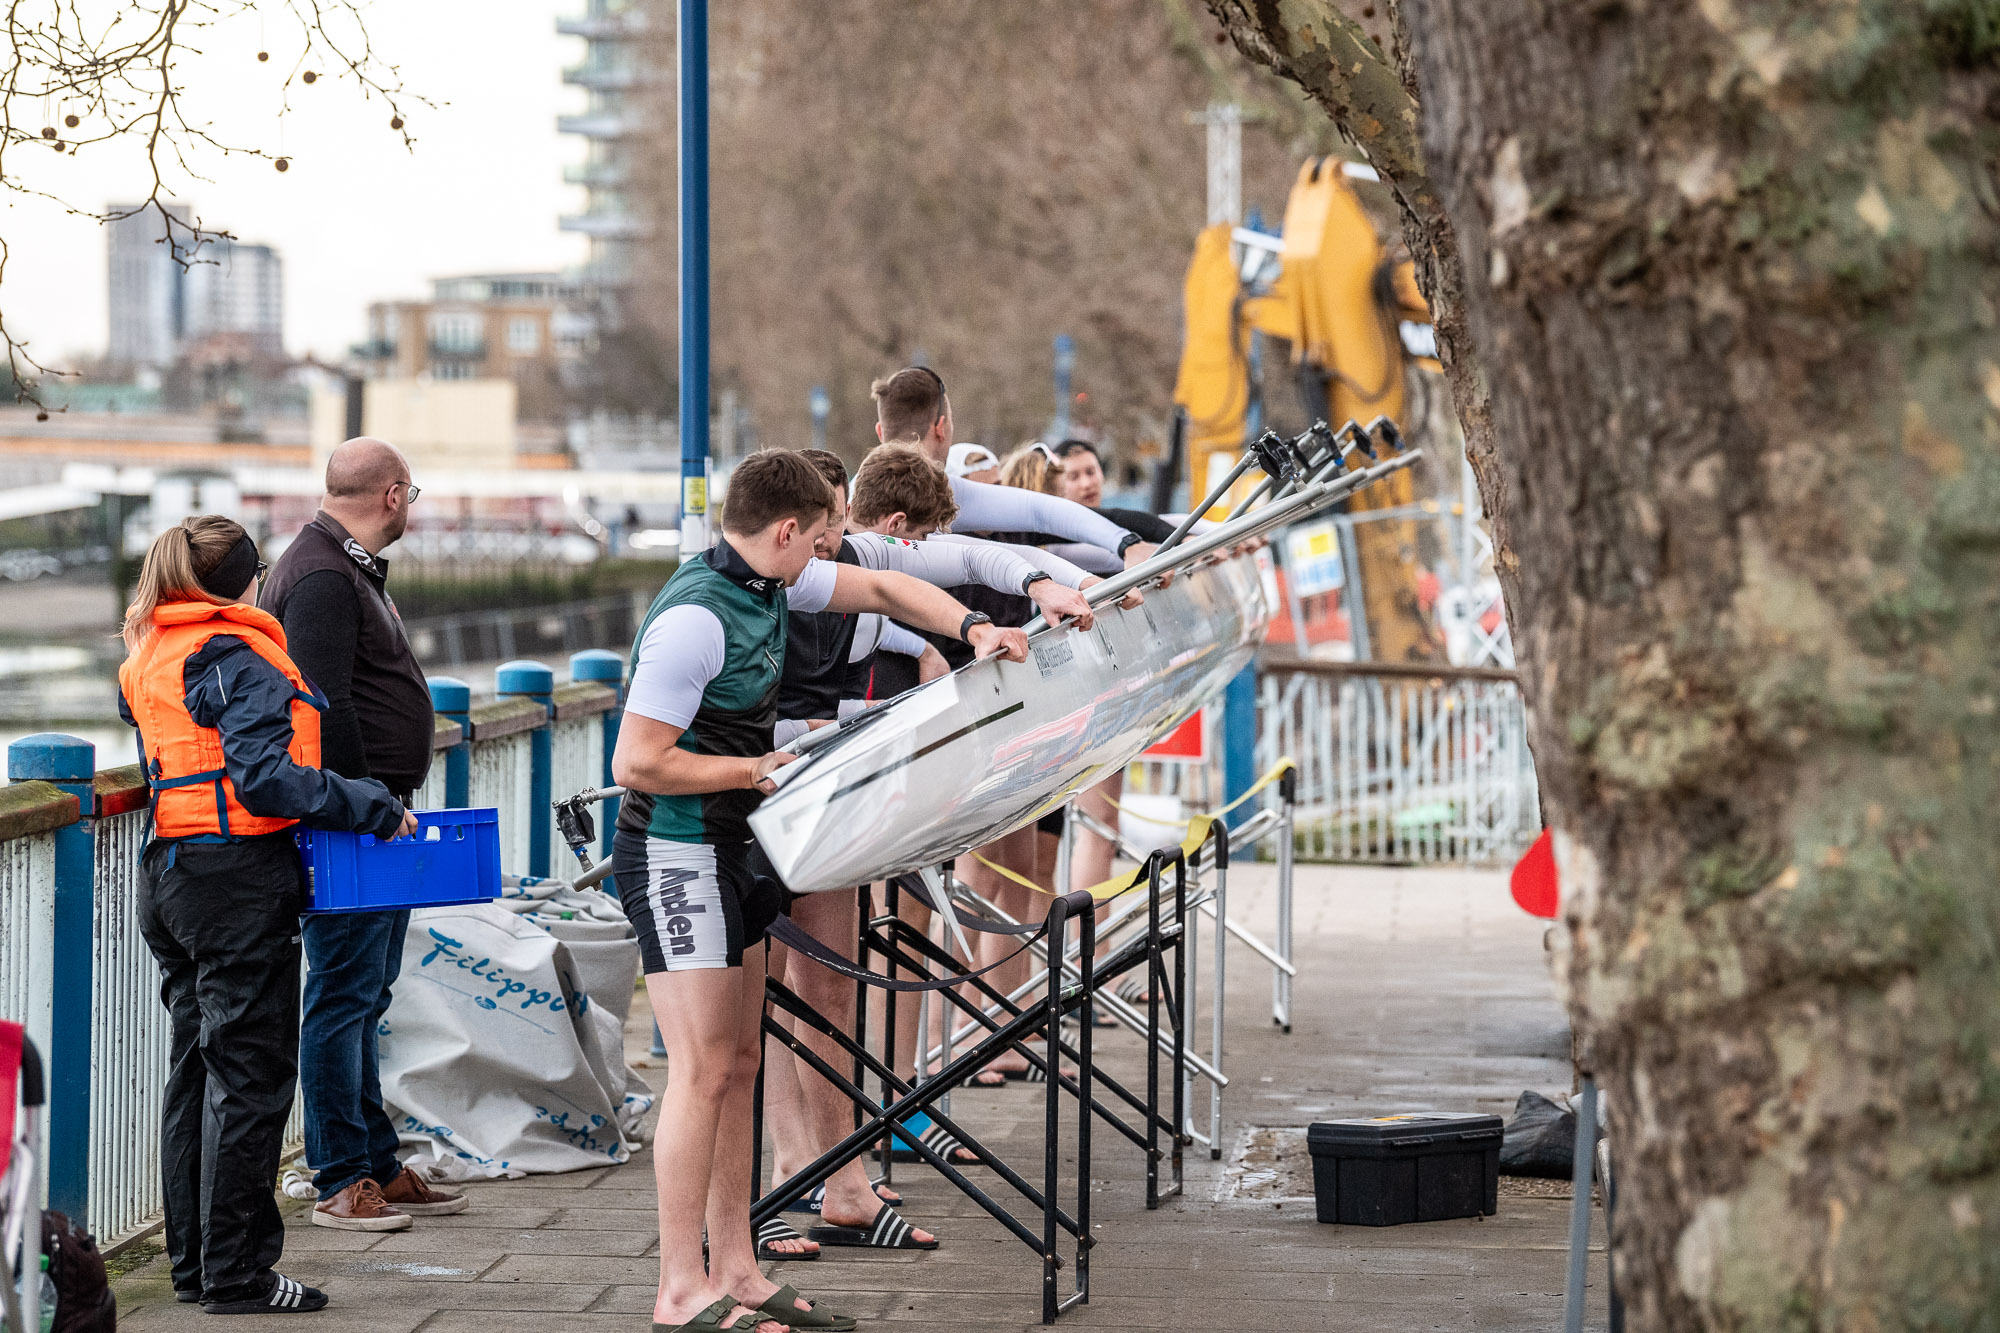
[(1727, 272), (1729, 268)]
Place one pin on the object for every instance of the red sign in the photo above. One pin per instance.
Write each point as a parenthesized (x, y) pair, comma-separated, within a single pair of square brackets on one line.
[(1183, 745)]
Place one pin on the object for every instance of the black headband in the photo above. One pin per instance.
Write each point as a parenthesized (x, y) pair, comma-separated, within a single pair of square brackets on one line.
[(232, 573)]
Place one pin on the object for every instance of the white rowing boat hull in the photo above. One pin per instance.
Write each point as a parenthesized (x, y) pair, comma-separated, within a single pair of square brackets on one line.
[(986, 750)]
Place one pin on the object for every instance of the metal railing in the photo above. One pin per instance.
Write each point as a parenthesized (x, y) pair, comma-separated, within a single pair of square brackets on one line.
[(1403, 763), (1398, 763), (75, 969)]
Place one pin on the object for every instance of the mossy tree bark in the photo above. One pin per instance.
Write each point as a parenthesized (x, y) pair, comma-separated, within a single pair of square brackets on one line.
[(1728, 268)]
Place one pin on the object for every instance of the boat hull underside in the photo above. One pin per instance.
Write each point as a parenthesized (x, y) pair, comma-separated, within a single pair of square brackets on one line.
[(963, 760)]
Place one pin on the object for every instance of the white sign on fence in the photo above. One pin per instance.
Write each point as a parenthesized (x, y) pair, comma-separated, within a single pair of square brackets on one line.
[(1312, 558)]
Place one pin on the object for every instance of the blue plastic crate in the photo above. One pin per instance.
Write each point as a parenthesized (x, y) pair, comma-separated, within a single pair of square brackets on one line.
[(454, 857)]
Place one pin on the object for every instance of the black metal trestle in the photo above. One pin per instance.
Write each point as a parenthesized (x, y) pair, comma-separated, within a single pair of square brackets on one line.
[(909, 953)]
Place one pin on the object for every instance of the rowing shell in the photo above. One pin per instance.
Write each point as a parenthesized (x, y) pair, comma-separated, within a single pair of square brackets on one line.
[(990, 748)]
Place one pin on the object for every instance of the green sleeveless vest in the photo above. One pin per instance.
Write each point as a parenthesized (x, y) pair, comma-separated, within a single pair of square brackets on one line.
[(739, 707)]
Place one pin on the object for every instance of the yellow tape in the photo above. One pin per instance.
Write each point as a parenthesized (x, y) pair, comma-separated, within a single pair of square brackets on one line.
[(1198, 827), (1284, 765)]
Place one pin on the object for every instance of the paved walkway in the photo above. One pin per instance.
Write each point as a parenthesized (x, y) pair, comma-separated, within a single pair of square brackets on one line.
[(1418, 990)]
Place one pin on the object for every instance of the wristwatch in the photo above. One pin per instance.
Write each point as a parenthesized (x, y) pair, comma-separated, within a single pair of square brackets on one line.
[(972, 618), (1127, 542), (1033, 578)]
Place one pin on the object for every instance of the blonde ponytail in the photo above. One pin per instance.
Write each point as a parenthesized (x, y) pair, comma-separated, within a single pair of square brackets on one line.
[(1032, 468), (173, 569)]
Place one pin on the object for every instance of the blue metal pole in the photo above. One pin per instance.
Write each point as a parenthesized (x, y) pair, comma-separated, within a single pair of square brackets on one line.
[(71, 765), (452, 698), (1239, 741), (1065, 363), (531, 680), (822, 406), (693, 87), (605, 668)]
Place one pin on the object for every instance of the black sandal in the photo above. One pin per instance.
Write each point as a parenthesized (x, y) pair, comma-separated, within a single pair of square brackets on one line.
[(887, 1232), (287, 1296), (775, 1232)]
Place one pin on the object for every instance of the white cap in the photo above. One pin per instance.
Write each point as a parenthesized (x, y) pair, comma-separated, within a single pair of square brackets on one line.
[(965, 458)]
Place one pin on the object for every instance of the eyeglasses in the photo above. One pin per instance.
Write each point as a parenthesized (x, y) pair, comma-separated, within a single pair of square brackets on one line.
[(410, 491)]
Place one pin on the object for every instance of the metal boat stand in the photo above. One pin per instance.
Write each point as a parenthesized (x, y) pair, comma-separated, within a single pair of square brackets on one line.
[(911, 954), (1211, 855)]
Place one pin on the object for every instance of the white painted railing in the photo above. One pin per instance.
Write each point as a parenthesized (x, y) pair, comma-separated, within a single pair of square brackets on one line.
[(129, 1033), (27, 932)]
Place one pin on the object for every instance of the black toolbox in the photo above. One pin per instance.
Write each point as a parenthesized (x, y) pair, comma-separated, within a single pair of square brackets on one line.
[(1405, 1168)]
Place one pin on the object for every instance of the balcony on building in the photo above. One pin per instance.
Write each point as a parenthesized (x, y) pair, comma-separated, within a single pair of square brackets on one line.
[(605, 226), (607, 77), (604, 25), (597, 175), (599, 124)]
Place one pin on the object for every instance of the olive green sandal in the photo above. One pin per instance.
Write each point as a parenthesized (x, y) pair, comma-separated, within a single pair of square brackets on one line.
[(783, 1307), (710, 1320)]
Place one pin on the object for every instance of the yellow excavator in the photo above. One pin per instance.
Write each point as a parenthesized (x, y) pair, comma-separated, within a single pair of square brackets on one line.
[(1355, 322)]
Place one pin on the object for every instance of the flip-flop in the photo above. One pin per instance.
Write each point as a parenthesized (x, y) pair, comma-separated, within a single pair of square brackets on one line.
[(933, 1136), (815, 1199), (1132, 990), (710, 1320), (774, 1231), (887, 1232), (783, 1307)]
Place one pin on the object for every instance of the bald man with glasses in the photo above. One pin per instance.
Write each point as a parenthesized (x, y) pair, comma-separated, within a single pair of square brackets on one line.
[(330, 590)]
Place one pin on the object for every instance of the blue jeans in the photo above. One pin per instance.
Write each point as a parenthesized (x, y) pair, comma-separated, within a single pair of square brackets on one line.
[(351, 959)]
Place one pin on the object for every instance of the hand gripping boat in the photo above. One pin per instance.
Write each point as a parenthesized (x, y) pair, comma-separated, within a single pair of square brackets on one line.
[(956, 763)]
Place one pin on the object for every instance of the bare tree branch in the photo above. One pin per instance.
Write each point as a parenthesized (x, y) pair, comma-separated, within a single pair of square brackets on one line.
[(117, 79)]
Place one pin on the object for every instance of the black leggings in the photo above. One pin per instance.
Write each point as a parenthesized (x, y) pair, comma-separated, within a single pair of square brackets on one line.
[(223, 921)]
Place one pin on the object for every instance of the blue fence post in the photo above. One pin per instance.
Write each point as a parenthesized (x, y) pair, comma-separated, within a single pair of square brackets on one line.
[(452, 698), (532, 680), (1239, 741), (71, 765), (604, 667)]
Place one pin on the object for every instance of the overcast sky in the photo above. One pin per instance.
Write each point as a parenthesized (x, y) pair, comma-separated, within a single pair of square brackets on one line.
[(357, 217)]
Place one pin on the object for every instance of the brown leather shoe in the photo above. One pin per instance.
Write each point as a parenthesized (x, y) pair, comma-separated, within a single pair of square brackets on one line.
[(408, 1193), (360, 1207)]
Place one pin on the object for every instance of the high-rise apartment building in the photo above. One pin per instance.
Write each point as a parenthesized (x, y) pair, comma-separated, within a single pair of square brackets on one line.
[(233, 298), (613, 71), (147, 312), (220, 299)]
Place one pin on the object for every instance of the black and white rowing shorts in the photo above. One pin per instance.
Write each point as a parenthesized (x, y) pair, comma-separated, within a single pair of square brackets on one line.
[(693, 905)]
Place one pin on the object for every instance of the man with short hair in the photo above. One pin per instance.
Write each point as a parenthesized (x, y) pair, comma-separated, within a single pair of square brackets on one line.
[(697, 736), (330, 591), (912, 407)]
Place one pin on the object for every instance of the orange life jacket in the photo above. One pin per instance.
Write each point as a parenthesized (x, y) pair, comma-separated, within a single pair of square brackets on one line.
[(192, 793)]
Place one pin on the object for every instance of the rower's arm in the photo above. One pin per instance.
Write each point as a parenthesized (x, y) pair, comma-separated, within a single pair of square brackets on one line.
[(917, 603), (649, 759), (682, 651)]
